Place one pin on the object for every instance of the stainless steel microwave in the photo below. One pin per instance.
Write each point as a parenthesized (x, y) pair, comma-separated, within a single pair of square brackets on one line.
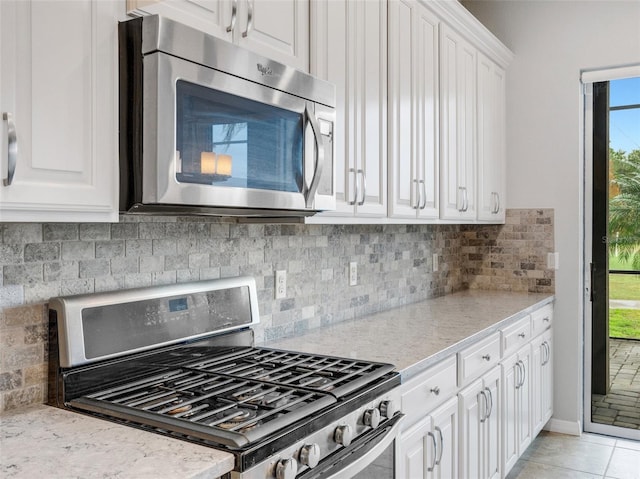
[(207, 127)]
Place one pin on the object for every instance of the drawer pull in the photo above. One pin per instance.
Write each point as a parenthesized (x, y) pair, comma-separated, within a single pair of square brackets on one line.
[(521, 335), (435, 390), (546, 319), (487, 357)]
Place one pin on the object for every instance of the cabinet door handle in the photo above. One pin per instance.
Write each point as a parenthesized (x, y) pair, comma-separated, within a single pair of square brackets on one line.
[(487, 357), (484, 415), (435, 390), (466, 199), (524, 373), (424, 195), (522, 335), (490, 394), (546, 319), (547, 349), (364, 187), (12, 148), (249, 18), (461, 198), (518, 373), (497, 202), (416, 205), (234, 15), (439, 460), (357, 184), (435, 451)]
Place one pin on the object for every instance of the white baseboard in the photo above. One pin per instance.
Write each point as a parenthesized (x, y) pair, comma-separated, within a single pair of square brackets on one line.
[(573, 428)]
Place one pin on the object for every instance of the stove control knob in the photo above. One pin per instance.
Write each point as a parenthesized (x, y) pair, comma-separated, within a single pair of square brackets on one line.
[(388, 409), (343, 435), (286, 469), (310, 455), (371, 417)]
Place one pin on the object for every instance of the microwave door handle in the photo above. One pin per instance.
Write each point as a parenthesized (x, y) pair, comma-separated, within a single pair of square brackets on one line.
[(319, 157)]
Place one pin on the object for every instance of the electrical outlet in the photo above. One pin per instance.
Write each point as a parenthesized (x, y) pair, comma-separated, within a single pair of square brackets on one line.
[(435, 262), (353, 273), (281, 284), (553, 260)]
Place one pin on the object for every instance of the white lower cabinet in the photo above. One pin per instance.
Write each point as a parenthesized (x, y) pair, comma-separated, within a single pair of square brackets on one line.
[(504, 398), (516, 371), (541, 381), (429, 449), (480, 424)]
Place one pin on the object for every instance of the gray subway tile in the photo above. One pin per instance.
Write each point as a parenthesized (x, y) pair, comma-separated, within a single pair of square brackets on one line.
[(22, 233), (75, 250), (95, 231), (39, 252), (61, 231)]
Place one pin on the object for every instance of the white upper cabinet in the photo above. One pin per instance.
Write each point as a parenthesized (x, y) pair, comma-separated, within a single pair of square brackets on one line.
[(457, 126), (349, 49), (491, 140), (277, 29), (58, 99), (413, 111)]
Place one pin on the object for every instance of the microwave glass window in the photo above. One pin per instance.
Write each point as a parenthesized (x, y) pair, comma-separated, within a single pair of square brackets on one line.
[(225, 140)]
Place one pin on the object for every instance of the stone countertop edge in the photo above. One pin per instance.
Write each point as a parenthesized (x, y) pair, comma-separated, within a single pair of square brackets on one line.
[(44, 441), (416, 336)]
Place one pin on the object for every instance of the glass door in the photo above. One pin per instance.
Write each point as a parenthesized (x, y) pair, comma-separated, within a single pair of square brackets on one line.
[(612, 404)]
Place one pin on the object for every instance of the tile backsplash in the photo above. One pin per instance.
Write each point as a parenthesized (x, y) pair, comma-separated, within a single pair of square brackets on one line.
[(395, 267)]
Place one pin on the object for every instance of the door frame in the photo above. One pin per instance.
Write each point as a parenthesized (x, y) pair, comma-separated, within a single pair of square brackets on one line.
[(587, 79)]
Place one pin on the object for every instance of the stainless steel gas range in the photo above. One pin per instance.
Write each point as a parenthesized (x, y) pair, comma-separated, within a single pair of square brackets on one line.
[(180, 360)]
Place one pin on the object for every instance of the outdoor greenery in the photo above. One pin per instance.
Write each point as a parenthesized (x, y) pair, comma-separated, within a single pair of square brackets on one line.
[(624, 323), (624, 240), (624, 286), (624, 207)]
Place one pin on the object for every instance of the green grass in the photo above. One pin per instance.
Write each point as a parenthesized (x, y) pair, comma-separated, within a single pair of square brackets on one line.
[(624, 323), (624, 286)]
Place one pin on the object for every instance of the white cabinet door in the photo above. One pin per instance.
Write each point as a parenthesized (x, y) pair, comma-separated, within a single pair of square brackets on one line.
[(457, 126), (541, 382), (480, 427), (413, 106), (444, 421), (217, 17), (350, 50), (277, 29), (59, 87), (517, 406), (491, 141), (415, 444), (429, 449)]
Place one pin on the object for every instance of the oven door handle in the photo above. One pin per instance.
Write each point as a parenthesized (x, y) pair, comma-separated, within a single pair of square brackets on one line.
[(310, 192), (348, 461)]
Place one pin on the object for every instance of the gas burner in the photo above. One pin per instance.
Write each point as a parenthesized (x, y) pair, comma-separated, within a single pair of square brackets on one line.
[(179, 408), (235, 416), (317, 382)]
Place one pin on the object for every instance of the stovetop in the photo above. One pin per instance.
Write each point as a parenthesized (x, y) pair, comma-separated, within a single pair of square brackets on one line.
[(229, 396), (180, 360)]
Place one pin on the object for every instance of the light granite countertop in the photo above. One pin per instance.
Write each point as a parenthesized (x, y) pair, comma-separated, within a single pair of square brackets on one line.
[(416, 336), (44, 441)]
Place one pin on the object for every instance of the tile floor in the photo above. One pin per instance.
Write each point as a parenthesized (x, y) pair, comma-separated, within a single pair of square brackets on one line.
[(590, 456)]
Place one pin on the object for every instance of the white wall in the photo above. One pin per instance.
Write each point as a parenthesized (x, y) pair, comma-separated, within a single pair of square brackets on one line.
[(553, 41)]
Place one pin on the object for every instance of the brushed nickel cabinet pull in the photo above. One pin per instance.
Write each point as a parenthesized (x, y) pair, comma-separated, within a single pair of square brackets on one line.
[(12, 148)]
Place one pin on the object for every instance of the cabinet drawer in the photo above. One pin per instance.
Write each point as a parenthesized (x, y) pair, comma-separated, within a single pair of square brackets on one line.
[(541, 319), (429, 389), (478, 358), (516, 335)]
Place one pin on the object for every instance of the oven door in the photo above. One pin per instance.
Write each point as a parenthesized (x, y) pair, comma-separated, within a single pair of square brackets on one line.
[(211, 139), (371, 455)]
